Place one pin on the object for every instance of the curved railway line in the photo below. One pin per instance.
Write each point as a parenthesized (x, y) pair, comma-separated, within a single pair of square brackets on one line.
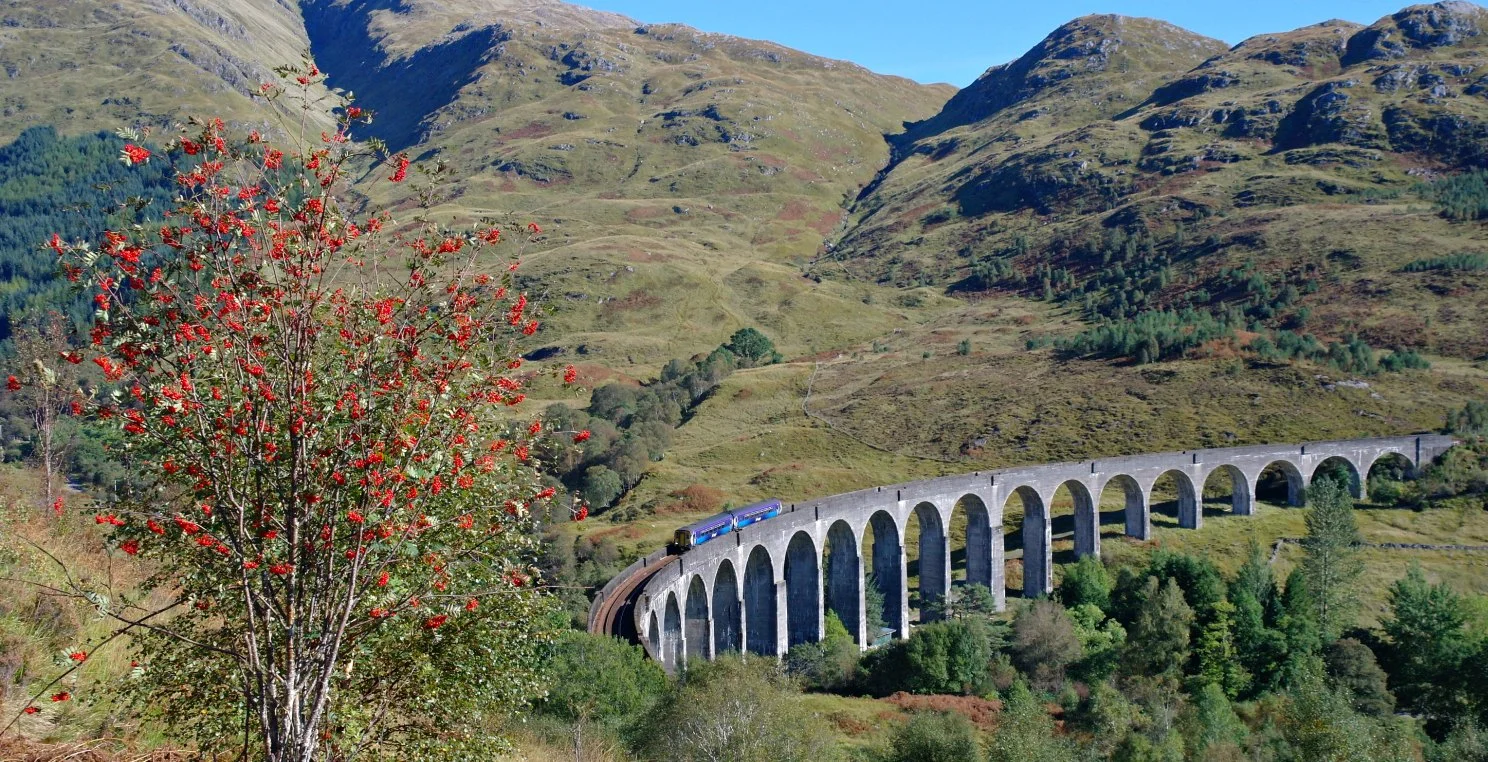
[(611, 613), (769, 585)]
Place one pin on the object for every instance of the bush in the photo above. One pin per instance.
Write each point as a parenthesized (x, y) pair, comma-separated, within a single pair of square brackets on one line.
[(1027, 732), (1460, 198), (1352, 665), (1453, 263), (595, 678), (751, 345), (1045, 643), (1462, 470), (1471, 420), (828, 665), (1086, 583), (730, 709), (1403, 359), (601, 486), (943, 657), (1149, 337), (934, 737)]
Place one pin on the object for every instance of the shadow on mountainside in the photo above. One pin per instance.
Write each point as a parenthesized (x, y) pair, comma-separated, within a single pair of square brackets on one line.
[(401, 92)]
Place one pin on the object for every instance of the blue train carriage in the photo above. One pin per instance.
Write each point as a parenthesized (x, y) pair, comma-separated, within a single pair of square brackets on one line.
[(700, 532), (755, 513), (713, 527)]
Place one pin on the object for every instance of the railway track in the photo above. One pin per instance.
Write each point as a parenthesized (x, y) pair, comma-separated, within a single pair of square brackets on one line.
[(611, 614)]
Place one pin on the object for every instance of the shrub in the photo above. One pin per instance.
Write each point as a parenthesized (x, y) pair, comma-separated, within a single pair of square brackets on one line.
[(601, 486), (1045, 643), (829, 664), (934, 737), (1471, 420), (1452, 263), (730, 709), (753, 346), (595, 678), (1087, 582), (1462, 197), (943, 657)]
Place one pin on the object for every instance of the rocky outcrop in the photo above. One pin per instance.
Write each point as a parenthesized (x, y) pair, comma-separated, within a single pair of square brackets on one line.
[(1419, 27), (1330, 114), (1079, 50)]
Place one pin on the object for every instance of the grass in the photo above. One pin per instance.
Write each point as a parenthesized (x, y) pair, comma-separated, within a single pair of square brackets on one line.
[(1225, 540), (1242, 186), (687, 187), (38, 630), (895, 415)]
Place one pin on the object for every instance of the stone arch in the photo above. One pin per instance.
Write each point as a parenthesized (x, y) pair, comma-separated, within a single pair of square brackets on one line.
[(1087, 519), (844, 578), (695, 621), (1189, 515), (1384, 475), (653, 637), (760, 615), (1037, 542), (728, 610), (1242, 502), (1389, 466), (1136, 511), (888, 572), (934, 558), (1287, 472), (1399, 461), (671, 633), (803, 585), (981, 559), (1355, 481)]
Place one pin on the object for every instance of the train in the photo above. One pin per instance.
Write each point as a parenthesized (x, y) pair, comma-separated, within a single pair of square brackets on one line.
[(713, 527)]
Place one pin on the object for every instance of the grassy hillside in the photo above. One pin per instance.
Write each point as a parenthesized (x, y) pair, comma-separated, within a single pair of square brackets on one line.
[(883, 411), (38, 629), (687, 182), (682, 177), (1297, 158), (84, 66)]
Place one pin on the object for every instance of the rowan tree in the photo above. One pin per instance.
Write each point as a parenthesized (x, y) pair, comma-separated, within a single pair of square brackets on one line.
[(340, 490)]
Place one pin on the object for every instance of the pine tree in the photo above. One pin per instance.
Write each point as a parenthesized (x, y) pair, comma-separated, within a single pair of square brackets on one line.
[(1217, 655), (1255, 577), (1159, 638), (1299, 620), (1086, 582), (1330, 560), (1216, 724), (1428, 643)]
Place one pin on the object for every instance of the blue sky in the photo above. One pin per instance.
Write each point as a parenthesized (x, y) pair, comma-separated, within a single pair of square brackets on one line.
[(955, 40)]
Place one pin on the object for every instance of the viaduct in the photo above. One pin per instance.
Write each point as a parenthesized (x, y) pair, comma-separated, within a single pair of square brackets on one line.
[(768, 587)]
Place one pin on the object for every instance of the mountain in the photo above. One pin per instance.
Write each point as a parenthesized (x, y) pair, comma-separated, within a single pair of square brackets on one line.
[(82, 65), (663, 161), (1131, 238), (1296, 157), (683, 177)]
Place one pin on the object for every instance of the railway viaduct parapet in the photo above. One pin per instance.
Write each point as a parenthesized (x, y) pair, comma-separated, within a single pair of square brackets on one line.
[(767, 587)]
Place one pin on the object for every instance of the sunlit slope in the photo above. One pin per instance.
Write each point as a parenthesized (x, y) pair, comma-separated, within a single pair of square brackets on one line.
[(1292, 152)]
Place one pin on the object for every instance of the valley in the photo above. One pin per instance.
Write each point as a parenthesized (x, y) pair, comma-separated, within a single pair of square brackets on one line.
[(1133, 238)]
